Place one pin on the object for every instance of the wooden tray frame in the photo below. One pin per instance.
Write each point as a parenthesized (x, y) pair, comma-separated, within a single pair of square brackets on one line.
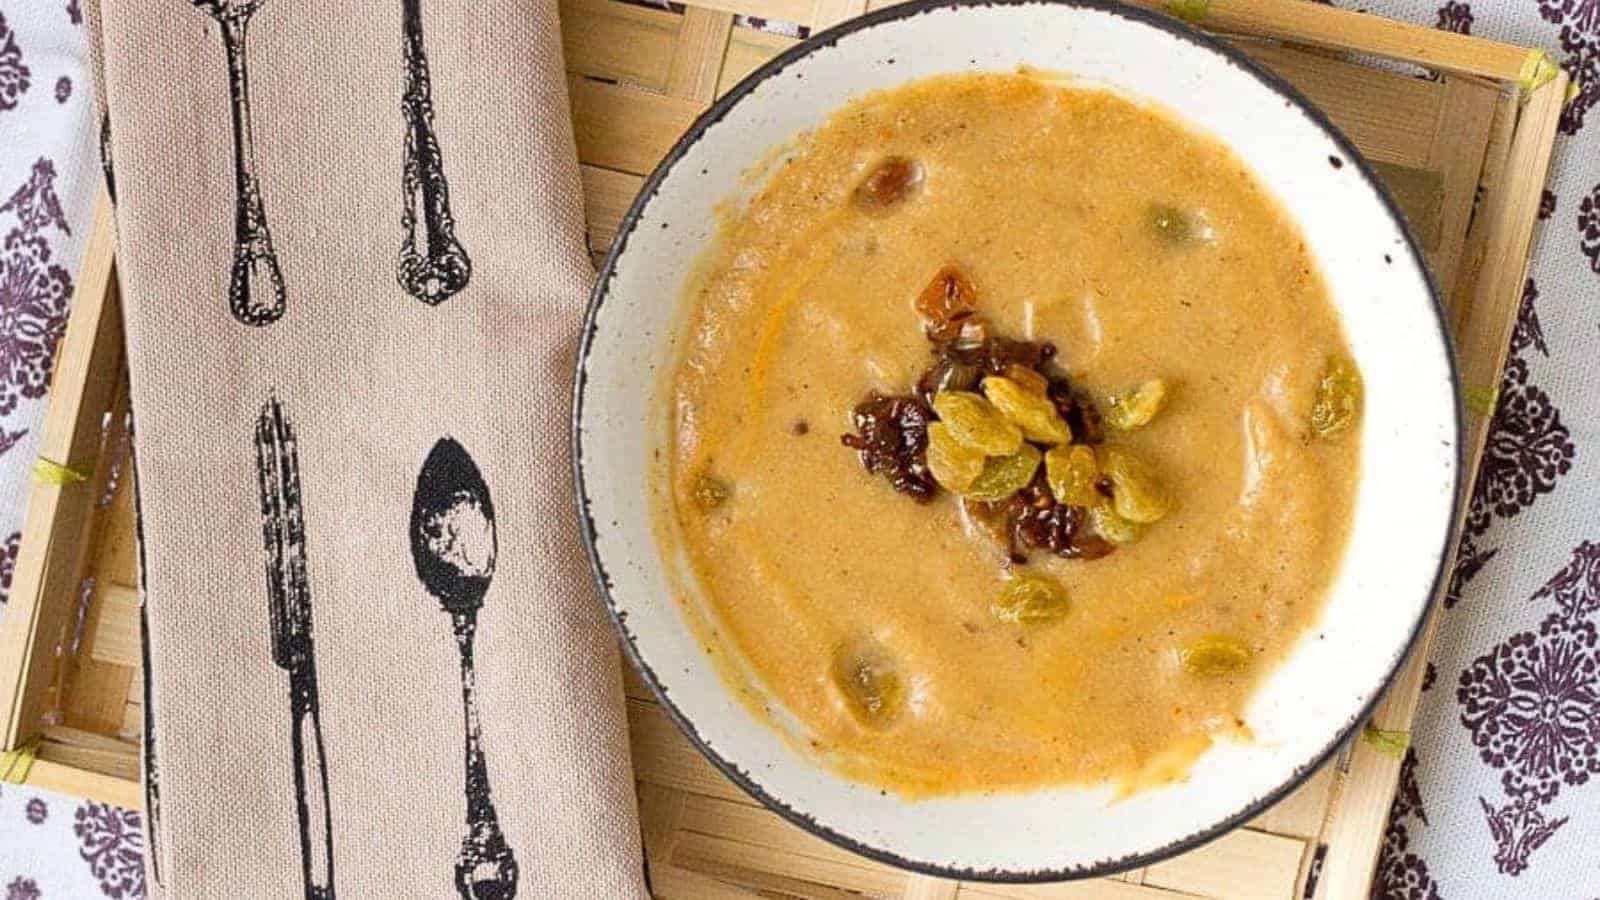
[(1470, 178)]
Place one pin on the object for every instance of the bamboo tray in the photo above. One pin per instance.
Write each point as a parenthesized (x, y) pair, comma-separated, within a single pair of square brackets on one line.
[(1460, 128)]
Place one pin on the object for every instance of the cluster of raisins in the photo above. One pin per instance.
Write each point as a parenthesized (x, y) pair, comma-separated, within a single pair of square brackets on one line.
[(892, 431)]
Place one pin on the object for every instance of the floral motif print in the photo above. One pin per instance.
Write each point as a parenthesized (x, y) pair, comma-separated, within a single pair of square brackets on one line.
[(1547, 203), (34, 292), (1469, 557), (1584, 71), (1402, 874), (75, 11), (1533, 707), (1429, 675), (111, 843), (22, 889), (1528, 449), (36, 811), (1528, 332), (1589, 226), (1457, 17), (8, 563), (63, 89), (35, 205), (1579, 21), (14, 75), (1518, 828), (1576, 588), (9, 439)]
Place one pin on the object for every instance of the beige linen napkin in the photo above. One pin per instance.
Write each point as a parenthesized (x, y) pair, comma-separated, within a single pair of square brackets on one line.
[(379, 666)]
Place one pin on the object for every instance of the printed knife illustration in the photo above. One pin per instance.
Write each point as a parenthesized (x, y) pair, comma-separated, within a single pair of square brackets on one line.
[(433, 264), (255, 283), (453, 545), (289, 610)]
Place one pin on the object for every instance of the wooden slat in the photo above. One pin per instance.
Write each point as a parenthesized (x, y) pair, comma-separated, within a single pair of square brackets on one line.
[(663, 756), (1101, 889), (697, 57), (618, 41), (1483, 338), (747, 50), (624, 128), (673, 883), (116, 557), (1461, 137), (926, 887), (111, 632), (1301, 813), (1388, 115), (828, 13), (607, 194), (50, 561), (1320, 25), (1240, 865), (95, 696), (781, 871), (795, 11), (78, 782)]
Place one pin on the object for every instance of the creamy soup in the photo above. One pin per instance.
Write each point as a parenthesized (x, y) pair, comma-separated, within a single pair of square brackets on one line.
[(909, 625)]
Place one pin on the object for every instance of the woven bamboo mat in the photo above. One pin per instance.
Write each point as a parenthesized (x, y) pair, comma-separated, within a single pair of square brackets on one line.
[(1463, 144)]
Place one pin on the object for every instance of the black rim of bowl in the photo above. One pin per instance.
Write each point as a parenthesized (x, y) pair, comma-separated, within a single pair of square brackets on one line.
[(714, 114)]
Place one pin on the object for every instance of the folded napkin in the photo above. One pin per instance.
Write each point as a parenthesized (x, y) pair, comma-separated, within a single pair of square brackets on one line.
[(351, 250)]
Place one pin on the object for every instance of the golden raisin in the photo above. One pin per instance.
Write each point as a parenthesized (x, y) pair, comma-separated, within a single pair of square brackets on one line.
[(869, 680), (953, 464), (1030, 600), (1137, 407), (975, 421), (1029, 379), (1338, 401), (1114, 528), (1032, 412), (1215, 654), (891, 182), (1137, 495), (1003, 476), (1071, 471)]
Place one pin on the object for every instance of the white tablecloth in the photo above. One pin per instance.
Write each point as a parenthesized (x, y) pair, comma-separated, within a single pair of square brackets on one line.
[(1501, 791)]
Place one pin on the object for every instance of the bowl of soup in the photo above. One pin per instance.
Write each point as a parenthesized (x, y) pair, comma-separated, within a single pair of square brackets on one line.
[(1016, 441)]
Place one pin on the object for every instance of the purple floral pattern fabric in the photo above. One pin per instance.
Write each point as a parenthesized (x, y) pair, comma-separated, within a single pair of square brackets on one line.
[(37, 811), (14, 73), (34, 290), (1401, 874), (1589, 228), (8, 563), (113, 845)]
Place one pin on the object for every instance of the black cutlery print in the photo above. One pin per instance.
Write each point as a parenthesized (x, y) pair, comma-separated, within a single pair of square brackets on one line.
[(255, 283), (433, 264), (289, 611), (453, 545)]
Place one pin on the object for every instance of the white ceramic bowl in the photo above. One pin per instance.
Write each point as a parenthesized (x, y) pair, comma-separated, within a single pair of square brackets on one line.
[(1410, 437)]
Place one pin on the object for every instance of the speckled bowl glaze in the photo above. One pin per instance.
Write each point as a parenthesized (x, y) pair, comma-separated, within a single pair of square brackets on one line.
[(1411, 437)]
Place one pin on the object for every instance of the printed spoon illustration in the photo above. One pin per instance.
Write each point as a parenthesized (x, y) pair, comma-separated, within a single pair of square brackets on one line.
[(440, 268), (453, 545), (255, 284)]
